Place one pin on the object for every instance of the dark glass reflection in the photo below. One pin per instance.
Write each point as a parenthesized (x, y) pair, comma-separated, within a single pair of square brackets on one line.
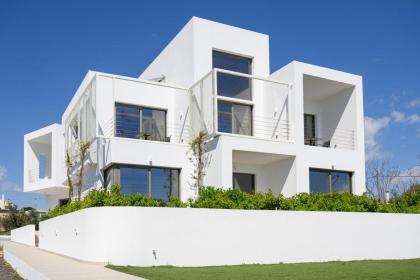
[(232, 85), (244, 182), (325, 181), (234, 118), (134, 180), (160, 183), (140, 123)]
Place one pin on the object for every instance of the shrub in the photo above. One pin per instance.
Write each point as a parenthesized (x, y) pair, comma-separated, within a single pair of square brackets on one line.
[(111, 196), (210, 197)]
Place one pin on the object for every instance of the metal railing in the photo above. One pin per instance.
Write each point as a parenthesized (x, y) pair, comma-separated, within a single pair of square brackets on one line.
[(269, 100), (175, 132), (341, 139)]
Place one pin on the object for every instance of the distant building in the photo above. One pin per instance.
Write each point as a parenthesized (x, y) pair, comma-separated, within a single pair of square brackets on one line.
[(5, 204)]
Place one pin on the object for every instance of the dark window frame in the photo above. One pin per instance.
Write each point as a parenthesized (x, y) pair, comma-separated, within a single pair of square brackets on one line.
[(313, 116), (140, 125), (116, 175), (244, 173), (329, 171)]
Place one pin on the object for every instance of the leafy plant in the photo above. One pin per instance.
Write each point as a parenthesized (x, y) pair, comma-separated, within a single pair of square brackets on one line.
[(197, 147), (69, 167), (83, 149), (210, 197)]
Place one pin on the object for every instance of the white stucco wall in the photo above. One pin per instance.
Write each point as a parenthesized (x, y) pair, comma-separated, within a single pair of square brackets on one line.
[(24, 235), (144, 236)]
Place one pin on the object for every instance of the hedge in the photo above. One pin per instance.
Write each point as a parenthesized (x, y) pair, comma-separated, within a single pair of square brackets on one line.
[(210, 197)]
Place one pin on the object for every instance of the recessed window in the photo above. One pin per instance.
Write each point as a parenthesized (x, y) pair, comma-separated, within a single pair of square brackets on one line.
[(160, 183), (309, 129), (234, 118), (140, 122), (325, 181), (231, 85), (244, 182)]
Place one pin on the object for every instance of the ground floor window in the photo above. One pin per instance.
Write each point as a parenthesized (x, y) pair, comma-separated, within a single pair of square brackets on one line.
[(158, 182), (244, 182), (324, 181)]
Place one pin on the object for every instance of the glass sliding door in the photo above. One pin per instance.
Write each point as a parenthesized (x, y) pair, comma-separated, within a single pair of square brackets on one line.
[(140, 122), (153, 124), (234, 118), (325, 181)]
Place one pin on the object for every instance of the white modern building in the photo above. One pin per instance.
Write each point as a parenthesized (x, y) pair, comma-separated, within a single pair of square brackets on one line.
[(299, 129)]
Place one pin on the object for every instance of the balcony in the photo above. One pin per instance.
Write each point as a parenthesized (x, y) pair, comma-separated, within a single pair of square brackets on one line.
[(227, 102), (329, 113), (42, 160)]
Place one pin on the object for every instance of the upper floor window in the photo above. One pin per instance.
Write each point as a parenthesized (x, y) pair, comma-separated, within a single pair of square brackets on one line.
[(231, 85), (140, 122), (234, 118)]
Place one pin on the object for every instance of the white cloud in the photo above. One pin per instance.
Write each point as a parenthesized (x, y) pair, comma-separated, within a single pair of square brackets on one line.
[(372, 129), (412, 119), (401, 117), (414, 103), (6, 185), (398, 116), (3, 172)]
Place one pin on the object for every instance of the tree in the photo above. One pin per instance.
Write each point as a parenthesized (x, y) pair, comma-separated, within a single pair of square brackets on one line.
[(69, 167), (19, 218), (83, 150), (198, 149), (382, 179)]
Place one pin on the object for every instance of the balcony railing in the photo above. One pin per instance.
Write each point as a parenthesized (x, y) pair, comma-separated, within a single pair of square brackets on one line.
[(175, 132), (341, 139), (270, 102)]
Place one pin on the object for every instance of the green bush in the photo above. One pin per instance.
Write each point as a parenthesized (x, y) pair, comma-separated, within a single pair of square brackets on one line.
[(111, 196), (210, 197)]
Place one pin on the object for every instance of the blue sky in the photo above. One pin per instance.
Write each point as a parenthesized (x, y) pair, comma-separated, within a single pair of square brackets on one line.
[(46, 48)]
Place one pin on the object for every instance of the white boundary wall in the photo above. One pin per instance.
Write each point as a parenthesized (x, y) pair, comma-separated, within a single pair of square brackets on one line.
[(24, 235), (143, 236)]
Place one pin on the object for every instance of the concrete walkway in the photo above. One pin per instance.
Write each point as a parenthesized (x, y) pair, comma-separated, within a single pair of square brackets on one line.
[(34, 263)]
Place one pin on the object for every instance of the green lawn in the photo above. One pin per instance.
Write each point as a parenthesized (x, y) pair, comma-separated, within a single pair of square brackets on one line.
[(355, 270)]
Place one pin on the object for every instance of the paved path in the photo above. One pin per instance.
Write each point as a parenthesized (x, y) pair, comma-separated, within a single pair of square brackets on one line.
[(52, 266)]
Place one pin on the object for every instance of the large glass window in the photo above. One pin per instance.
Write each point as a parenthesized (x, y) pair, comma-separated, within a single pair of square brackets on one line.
[(325, 181), (234, 118), (140, 122), (160, 183), (244, 182), (232, 85)]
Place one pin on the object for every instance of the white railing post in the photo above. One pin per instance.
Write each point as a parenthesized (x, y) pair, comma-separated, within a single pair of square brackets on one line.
[(215, 124)]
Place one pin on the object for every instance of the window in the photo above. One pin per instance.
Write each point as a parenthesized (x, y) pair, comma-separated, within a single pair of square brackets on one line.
[(244, 182), (140, 122), (234, 118), (160, 183), (325, 181), (309, 129), (232, 85)]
